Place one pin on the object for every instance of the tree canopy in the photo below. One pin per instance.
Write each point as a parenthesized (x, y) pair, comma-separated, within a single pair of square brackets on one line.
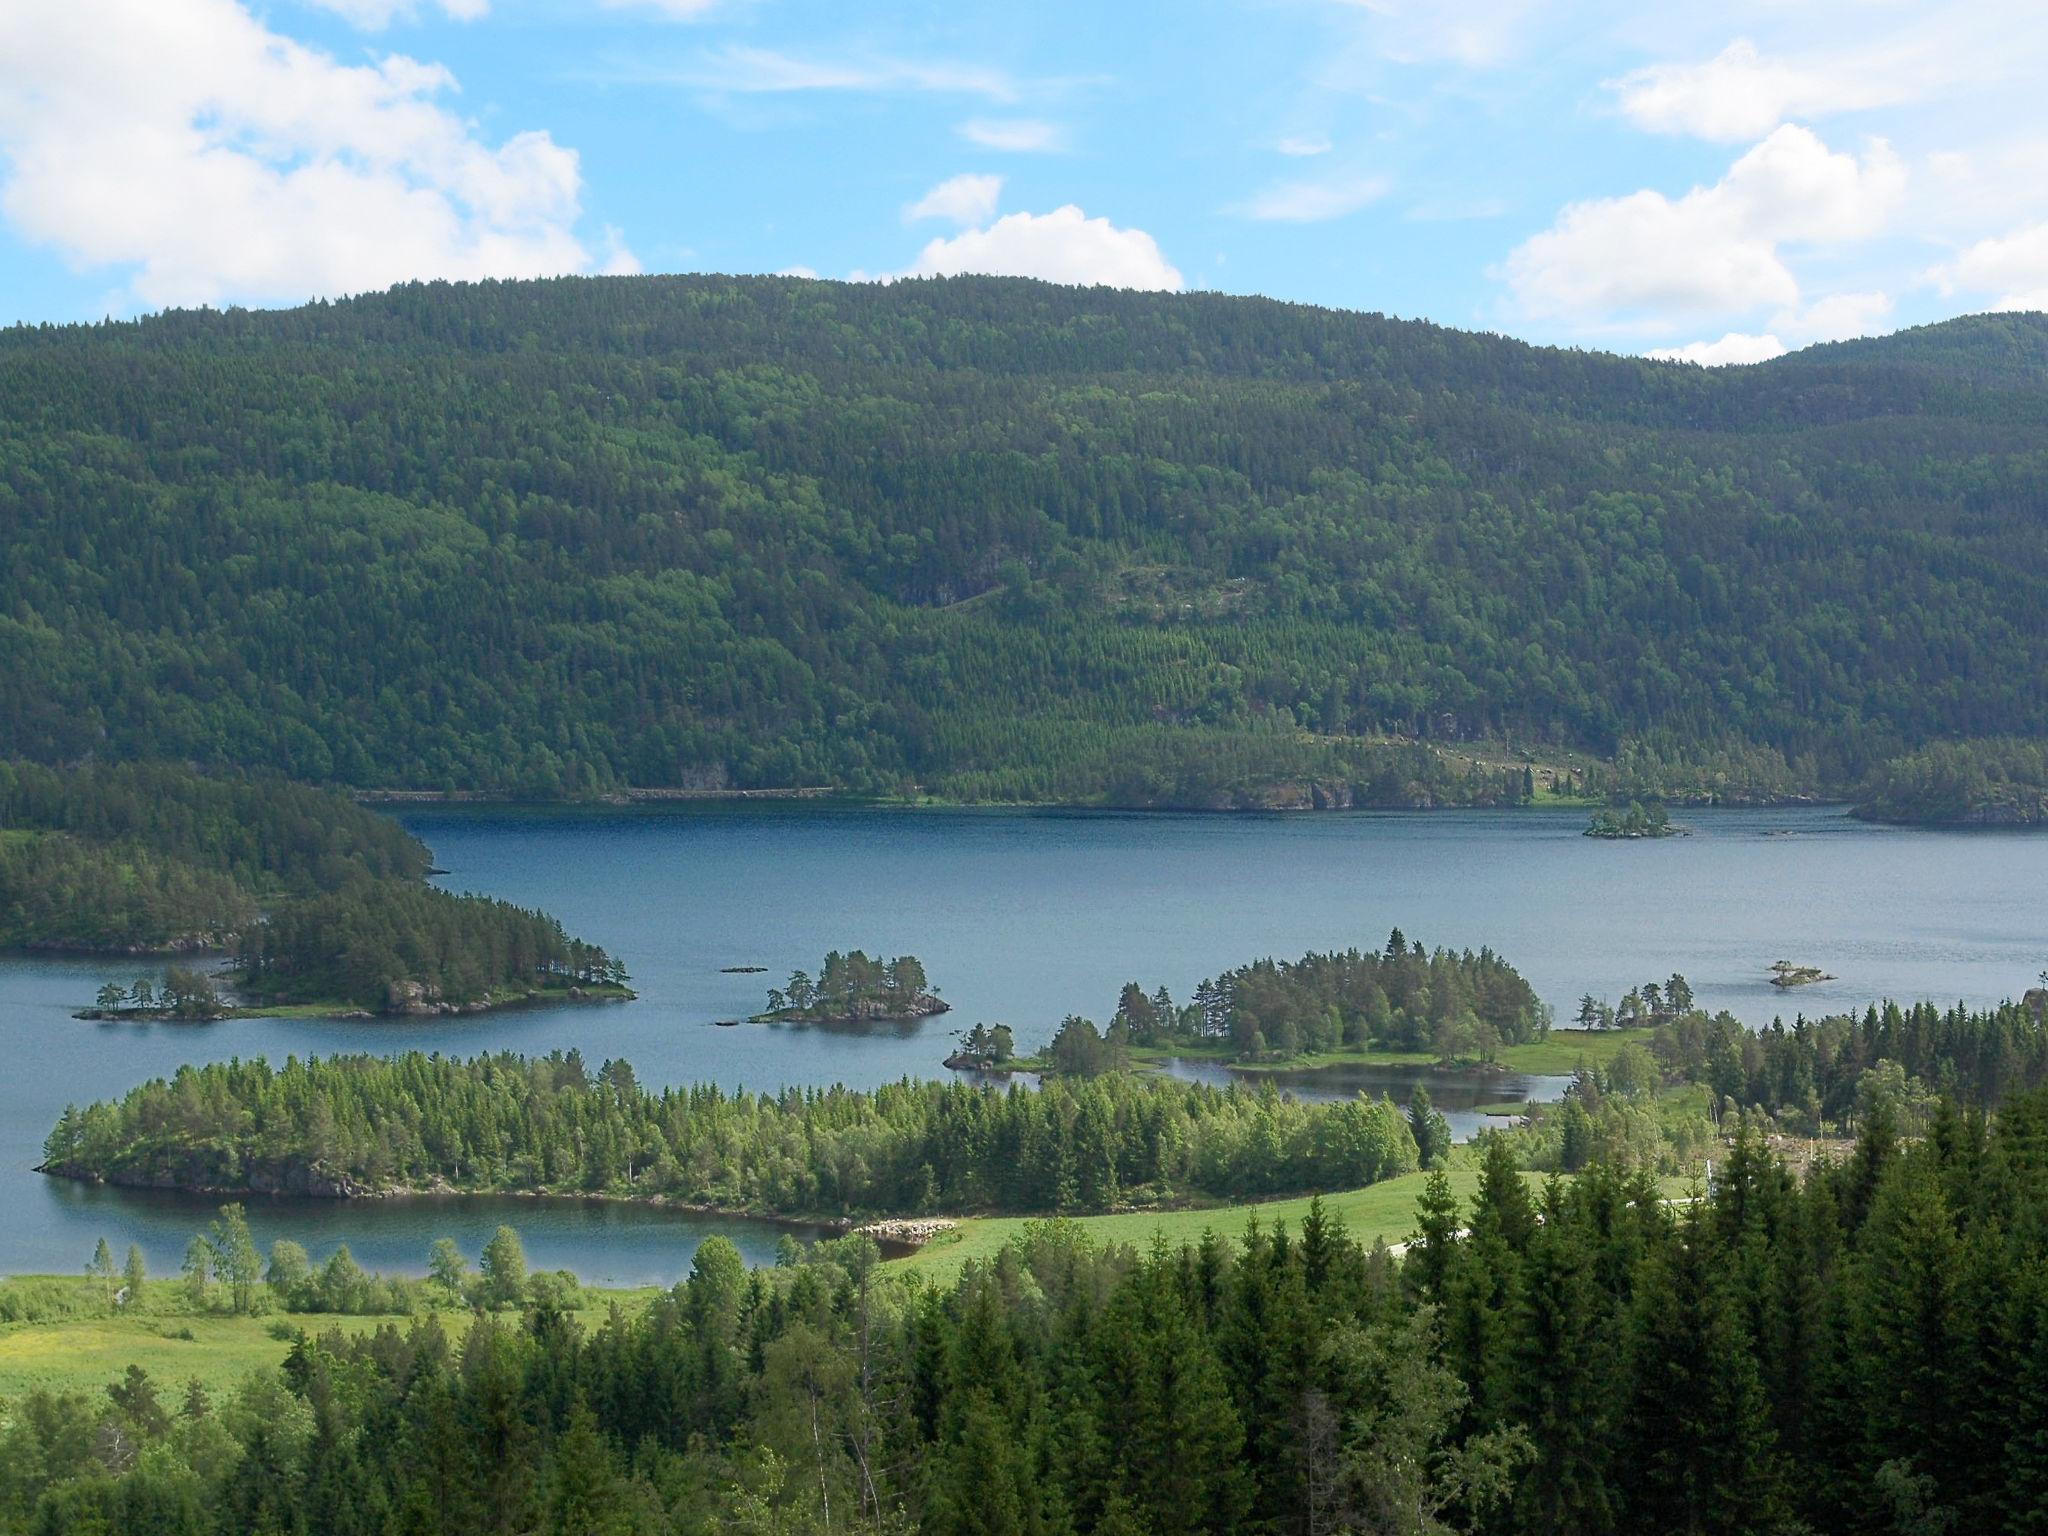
[(1002, 540)]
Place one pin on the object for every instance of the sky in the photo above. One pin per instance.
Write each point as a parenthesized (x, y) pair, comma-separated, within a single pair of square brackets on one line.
[(1719, 182)]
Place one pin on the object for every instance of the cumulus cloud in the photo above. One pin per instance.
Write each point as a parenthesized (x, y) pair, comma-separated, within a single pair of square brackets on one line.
[(1735, 348), (1838, 317), (1302, 145), (2012, 268), (1312, 202), (219, 160), (1014, 135), (376, 15), (1740, 94), (1064, 246), (958, 200), (1648, 259)]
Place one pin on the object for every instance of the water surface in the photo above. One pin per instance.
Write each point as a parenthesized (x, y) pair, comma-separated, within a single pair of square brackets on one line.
[(1022, 917)]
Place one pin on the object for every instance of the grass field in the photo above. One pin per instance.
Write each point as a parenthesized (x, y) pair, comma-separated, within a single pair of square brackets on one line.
[(85, 1353), (1385, 1210)]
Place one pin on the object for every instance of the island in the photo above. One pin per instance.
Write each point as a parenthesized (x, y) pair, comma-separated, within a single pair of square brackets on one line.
[(1787, 975), (317, 905), (851, 988), (1637, 821), (984, 1049)]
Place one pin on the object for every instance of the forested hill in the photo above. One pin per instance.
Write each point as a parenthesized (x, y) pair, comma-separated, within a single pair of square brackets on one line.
[(1001, 539)]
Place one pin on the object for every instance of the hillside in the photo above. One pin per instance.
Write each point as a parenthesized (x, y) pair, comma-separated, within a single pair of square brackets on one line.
[(1000, 539)]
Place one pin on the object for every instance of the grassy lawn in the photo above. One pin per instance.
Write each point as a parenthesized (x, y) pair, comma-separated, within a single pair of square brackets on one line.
[(1385, 1210), (83, 1354)]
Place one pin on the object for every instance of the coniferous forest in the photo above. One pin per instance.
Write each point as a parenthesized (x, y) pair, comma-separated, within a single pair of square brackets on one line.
[(1863, 1349), (1003, 540), (317, 899)]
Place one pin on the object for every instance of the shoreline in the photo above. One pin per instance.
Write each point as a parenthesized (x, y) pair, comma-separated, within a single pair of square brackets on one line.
[(342, 1010)]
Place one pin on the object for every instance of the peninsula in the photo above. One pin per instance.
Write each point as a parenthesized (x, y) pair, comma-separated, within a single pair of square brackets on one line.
[(320, 905)]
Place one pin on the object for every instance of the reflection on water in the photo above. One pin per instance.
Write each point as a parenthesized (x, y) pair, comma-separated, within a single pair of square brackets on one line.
[(1022, 917), (605, 1242), (1458, 1094)]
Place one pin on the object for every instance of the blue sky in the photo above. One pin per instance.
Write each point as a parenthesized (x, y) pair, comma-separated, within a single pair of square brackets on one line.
[(1719, 181)]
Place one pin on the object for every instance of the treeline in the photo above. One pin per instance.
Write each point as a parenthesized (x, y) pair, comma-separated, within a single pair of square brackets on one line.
[(400, 948), (1811, 1072), (1456, 1003), (1861, 1351), (363, 1124), (1000, 540), (151, 856), (318, 899), (1975, 783), (268, 835), (59, 893)]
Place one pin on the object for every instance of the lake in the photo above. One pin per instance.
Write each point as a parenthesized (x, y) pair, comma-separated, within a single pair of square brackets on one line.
[(1022, 917)]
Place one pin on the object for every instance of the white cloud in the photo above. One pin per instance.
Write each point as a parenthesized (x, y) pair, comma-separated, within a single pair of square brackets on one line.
[(1064, 246), (1838, 317), (1733, 348), (1311, 202), (763, 71), (1740, 94), (1648, 259), (1832, 56), (673, 10), (1016, 135), (619, 260), (376, 15), (798, 271), (958, 200), (221, 161), (2013, 268), (1302, 145), (1478, 34)]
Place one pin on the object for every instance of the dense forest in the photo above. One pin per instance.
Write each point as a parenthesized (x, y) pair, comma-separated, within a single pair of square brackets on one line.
[(1403, 998), (1863, 1350), (147, 856), (318, 899), (1000, 539), (1983, 783), (358, 1124)]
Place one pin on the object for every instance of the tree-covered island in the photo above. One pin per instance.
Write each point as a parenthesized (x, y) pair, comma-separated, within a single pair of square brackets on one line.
[(1638, 820), (317, 903), (851, 988), (1398, 1003)]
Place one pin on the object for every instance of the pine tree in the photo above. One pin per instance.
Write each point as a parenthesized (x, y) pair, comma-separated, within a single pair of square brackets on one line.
[(100, 1270)]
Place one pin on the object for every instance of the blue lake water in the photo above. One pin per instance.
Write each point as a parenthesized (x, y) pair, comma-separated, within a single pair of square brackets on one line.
[(1022, 917)]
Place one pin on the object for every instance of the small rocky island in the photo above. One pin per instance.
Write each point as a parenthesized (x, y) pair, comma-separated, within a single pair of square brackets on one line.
[(1637, 821), (1787, 975), (984, 1049), (853, 989)]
